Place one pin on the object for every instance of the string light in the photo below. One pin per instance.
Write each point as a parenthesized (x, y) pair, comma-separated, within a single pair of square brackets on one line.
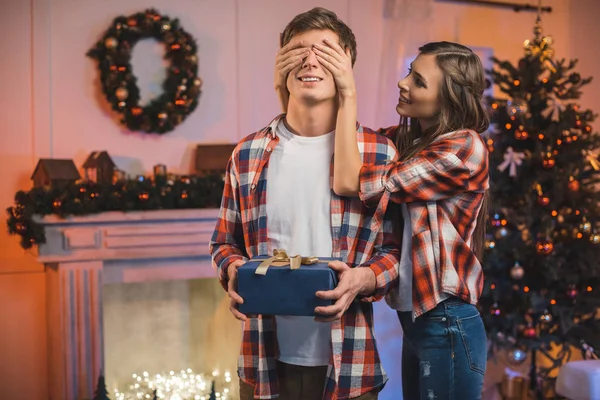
[(184, 385)]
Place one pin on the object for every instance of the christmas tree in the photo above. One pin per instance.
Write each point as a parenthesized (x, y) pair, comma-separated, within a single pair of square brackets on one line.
[(542, 259), (101, 392)]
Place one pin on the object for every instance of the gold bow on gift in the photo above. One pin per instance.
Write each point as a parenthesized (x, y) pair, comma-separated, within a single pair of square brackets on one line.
[(281, 259)]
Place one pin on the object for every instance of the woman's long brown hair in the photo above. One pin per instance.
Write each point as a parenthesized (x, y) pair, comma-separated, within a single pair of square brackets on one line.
[(461, 97)]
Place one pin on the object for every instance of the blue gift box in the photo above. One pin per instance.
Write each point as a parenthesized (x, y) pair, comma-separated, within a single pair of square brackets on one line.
[(275, 286)]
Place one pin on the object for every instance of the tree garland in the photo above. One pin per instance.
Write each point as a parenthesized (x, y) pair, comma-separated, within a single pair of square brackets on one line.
[(142, 193), (181, 88)]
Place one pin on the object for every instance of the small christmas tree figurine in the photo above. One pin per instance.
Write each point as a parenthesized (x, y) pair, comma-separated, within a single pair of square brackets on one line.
[(213, 394), (101, 392)]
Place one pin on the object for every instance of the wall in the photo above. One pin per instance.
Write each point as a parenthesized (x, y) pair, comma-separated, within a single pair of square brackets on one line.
[(52, 106), (583, 20)]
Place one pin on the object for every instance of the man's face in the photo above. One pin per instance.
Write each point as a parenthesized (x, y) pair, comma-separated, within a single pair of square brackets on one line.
[(311, 83)]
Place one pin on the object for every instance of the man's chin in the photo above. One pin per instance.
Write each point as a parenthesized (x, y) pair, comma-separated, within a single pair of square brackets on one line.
[(313, 100)]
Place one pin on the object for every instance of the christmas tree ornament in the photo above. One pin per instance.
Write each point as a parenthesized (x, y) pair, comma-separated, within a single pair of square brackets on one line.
[(122, 93), (543, 201), (545, 246), (517, 271), (546, 317), (529, 332), (573, 184), (111, 43), (572, 292), (521, 134), (585, 226), (516, 356), (512, 159), (495, 310), (501, 233), (548, 161), (595, 238), (516, 107)]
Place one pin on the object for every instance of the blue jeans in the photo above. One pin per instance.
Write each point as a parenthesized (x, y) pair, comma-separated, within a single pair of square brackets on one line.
[(444, 353)]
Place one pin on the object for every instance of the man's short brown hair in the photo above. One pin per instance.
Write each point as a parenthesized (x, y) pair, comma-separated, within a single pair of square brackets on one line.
[(320, 19)]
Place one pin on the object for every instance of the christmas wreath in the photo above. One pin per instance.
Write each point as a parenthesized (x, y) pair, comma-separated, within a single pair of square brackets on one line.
[(181, 88)]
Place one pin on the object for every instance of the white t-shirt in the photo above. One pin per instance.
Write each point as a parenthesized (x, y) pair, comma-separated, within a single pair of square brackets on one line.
[(299, 221), (401, 297)]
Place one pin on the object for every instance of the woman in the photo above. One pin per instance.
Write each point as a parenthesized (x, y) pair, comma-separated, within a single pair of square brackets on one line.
[(440, 183)]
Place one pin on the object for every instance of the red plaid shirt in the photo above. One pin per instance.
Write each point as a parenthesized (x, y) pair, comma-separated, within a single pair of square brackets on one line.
[(443, 187), (241, 233)]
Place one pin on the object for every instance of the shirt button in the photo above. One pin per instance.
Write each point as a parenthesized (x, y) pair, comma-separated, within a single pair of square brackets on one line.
[(269, 149), (253, 186), (444, 319)]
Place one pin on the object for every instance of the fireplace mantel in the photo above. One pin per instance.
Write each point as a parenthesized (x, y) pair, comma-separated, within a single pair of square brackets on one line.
[(81, 254)]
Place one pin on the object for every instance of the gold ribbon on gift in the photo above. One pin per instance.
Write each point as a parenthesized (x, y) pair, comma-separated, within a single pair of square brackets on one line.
[(281, 259)]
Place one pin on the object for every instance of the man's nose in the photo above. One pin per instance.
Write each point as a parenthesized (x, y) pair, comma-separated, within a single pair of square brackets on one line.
[(310, 60)]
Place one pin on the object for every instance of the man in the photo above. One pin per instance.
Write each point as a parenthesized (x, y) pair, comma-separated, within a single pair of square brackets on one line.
[(278, 195)]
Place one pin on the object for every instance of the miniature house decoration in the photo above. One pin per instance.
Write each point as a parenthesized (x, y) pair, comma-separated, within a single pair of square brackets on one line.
[(213, 158), (99, 167), (54, 173)]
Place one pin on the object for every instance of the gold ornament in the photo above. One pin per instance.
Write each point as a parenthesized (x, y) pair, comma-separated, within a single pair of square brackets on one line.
[(585, 226), (122, 93), (111, 43), (165, 27), (540, 46)]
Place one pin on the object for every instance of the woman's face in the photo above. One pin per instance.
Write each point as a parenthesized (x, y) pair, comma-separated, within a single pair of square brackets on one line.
[(420, 91)]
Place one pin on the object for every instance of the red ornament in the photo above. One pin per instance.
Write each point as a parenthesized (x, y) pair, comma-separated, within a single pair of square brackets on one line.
[(521, 135), (572, 292), (529, 332), (548, 162), (574, 185), (543, 201)]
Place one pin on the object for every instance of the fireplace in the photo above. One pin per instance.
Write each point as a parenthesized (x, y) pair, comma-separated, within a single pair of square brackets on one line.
[(88, 258)]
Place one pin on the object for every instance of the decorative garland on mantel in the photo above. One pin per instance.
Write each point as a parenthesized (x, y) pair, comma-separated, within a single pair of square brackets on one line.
[(181, 88), (84, 198)]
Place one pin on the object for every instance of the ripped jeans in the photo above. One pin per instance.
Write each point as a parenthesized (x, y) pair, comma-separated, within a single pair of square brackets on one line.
[(444, 353)]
